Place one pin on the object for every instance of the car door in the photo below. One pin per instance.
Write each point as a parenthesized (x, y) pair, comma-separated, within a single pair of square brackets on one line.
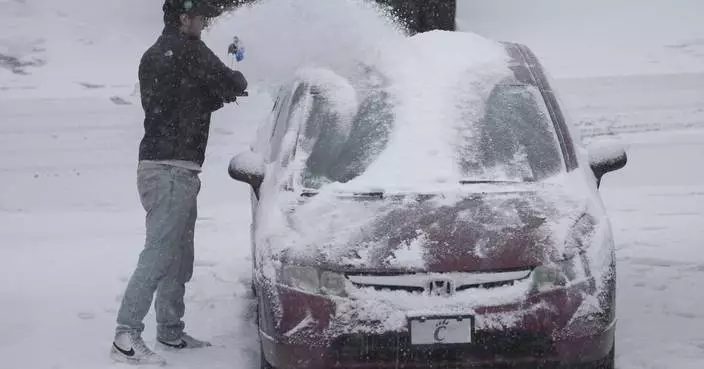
[(261, 146), (268, 144)]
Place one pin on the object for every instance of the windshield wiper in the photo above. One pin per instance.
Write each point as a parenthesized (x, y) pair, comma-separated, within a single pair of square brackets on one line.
[(484, 181), (379, 194)]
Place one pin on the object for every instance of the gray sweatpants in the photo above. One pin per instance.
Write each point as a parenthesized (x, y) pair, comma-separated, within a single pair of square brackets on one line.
[(168, 194)]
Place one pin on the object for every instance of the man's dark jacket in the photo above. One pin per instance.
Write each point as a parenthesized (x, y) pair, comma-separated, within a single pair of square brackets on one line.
[(182, 82)]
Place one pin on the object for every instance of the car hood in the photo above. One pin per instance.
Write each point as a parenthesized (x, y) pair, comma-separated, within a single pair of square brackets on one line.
[(459, 231)]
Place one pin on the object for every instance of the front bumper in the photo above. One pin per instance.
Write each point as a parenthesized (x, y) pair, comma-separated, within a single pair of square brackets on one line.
[(393, 350), (311, 331)]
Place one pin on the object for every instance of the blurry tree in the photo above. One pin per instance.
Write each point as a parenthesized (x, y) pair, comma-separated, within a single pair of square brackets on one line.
[(424, 15), (417, 15)]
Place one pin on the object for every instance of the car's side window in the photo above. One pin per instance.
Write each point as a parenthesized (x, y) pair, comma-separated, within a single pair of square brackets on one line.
[(283, 118), (278, 122), (265, 130), (274, 123)]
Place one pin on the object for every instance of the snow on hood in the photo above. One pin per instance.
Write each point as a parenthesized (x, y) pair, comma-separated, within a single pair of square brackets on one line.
[(481, 229)]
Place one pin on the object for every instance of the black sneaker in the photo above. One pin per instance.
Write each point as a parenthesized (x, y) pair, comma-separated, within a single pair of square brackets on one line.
[(131, 349), (185, 342)]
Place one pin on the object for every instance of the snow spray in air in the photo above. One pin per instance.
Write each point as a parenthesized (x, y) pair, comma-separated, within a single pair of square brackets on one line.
[(285, 35)]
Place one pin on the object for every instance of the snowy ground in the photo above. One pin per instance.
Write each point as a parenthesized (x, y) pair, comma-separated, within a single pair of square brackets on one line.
[(71, 226)]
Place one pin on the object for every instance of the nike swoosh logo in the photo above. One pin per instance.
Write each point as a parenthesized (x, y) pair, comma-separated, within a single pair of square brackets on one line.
[(129, 353), (181, 345)]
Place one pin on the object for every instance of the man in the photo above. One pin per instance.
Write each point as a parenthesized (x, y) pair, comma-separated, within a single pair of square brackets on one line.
[(182, 82)]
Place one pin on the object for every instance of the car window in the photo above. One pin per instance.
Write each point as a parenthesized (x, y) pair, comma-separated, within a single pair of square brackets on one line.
[(576, 134), (507, 134), (337, 154), (516, 137), (283, 117), (265, 129)]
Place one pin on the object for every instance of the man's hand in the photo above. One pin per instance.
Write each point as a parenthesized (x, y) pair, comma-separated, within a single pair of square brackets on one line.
[(233, 98), (214, 104), (209, 71)]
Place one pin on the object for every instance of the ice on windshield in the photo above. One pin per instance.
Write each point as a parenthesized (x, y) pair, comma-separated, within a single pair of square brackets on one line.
[(513, 138), (339, 155), (433, 120)]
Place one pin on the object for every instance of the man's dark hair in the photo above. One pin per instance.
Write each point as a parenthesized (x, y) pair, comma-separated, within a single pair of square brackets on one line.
[(172, 19), (174, 8)]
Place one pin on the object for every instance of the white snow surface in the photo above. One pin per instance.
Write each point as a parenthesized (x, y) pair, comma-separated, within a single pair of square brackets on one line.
[(248, 162), (71, 226), (597, 37)]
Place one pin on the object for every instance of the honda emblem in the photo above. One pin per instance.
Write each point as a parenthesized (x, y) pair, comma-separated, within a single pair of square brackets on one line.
[(440, 287)]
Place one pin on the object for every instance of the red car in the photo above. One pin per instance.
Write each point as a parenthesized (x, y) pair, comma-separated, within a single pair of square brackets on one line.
[(444, 219)]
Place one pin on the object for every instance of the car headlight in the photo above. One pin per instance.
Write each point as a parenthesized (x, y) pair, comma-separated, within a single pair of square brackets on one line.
[(312, 280), (574, 266), (559, 274)]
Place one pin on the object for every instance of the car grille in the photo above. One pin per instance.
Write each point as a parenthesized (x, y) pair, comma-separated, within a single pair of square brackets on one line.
[(390, 347), (420, 282), (412, 289)]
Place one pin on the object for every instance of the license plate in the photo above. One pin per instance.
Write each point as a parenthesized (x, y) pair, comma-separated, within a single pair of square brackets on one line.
[(441, 330)]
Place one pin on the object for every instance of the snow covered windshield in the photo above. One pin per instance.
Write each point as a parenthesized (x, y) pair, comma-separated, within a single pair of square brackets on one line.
[(473, 127)]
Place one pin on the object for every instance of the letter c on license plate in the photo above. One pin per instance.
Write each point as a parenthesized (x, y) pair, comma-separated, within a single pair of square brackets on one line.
[(441, 330)]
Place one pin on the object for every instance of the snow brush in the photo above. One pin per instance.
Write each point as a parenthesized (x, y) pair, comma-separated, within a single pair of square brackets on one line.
[(236, 51)]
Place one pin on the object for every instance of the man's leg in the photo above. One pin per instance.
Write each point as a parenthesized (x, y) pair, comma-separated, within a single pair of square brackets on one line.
[(168, 196), (170, 305)]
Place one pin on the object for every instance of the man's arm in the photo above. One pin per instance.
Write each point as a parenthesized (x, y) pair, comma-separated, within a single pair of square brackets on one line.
[(222, 82)]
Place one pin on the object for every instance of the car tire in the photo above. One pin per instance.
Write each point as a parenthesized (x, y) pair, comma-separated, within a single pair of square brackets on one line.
[(606, 363), (609, 361), (263, 364)]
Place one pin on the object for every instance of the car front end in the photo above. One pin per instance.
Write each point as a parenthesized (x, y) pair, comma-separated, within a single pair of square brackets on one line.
[(502, 278), (326, 319)]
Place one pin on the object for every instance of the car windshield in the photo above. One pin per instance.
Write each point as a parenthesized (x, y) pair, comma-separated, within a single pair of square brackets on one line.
[(499, 131)]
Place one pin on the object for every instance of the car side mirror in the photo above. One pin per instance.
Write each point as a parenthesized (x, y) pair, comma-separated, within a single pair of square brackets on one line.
[(248, 167), (605, 158)]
